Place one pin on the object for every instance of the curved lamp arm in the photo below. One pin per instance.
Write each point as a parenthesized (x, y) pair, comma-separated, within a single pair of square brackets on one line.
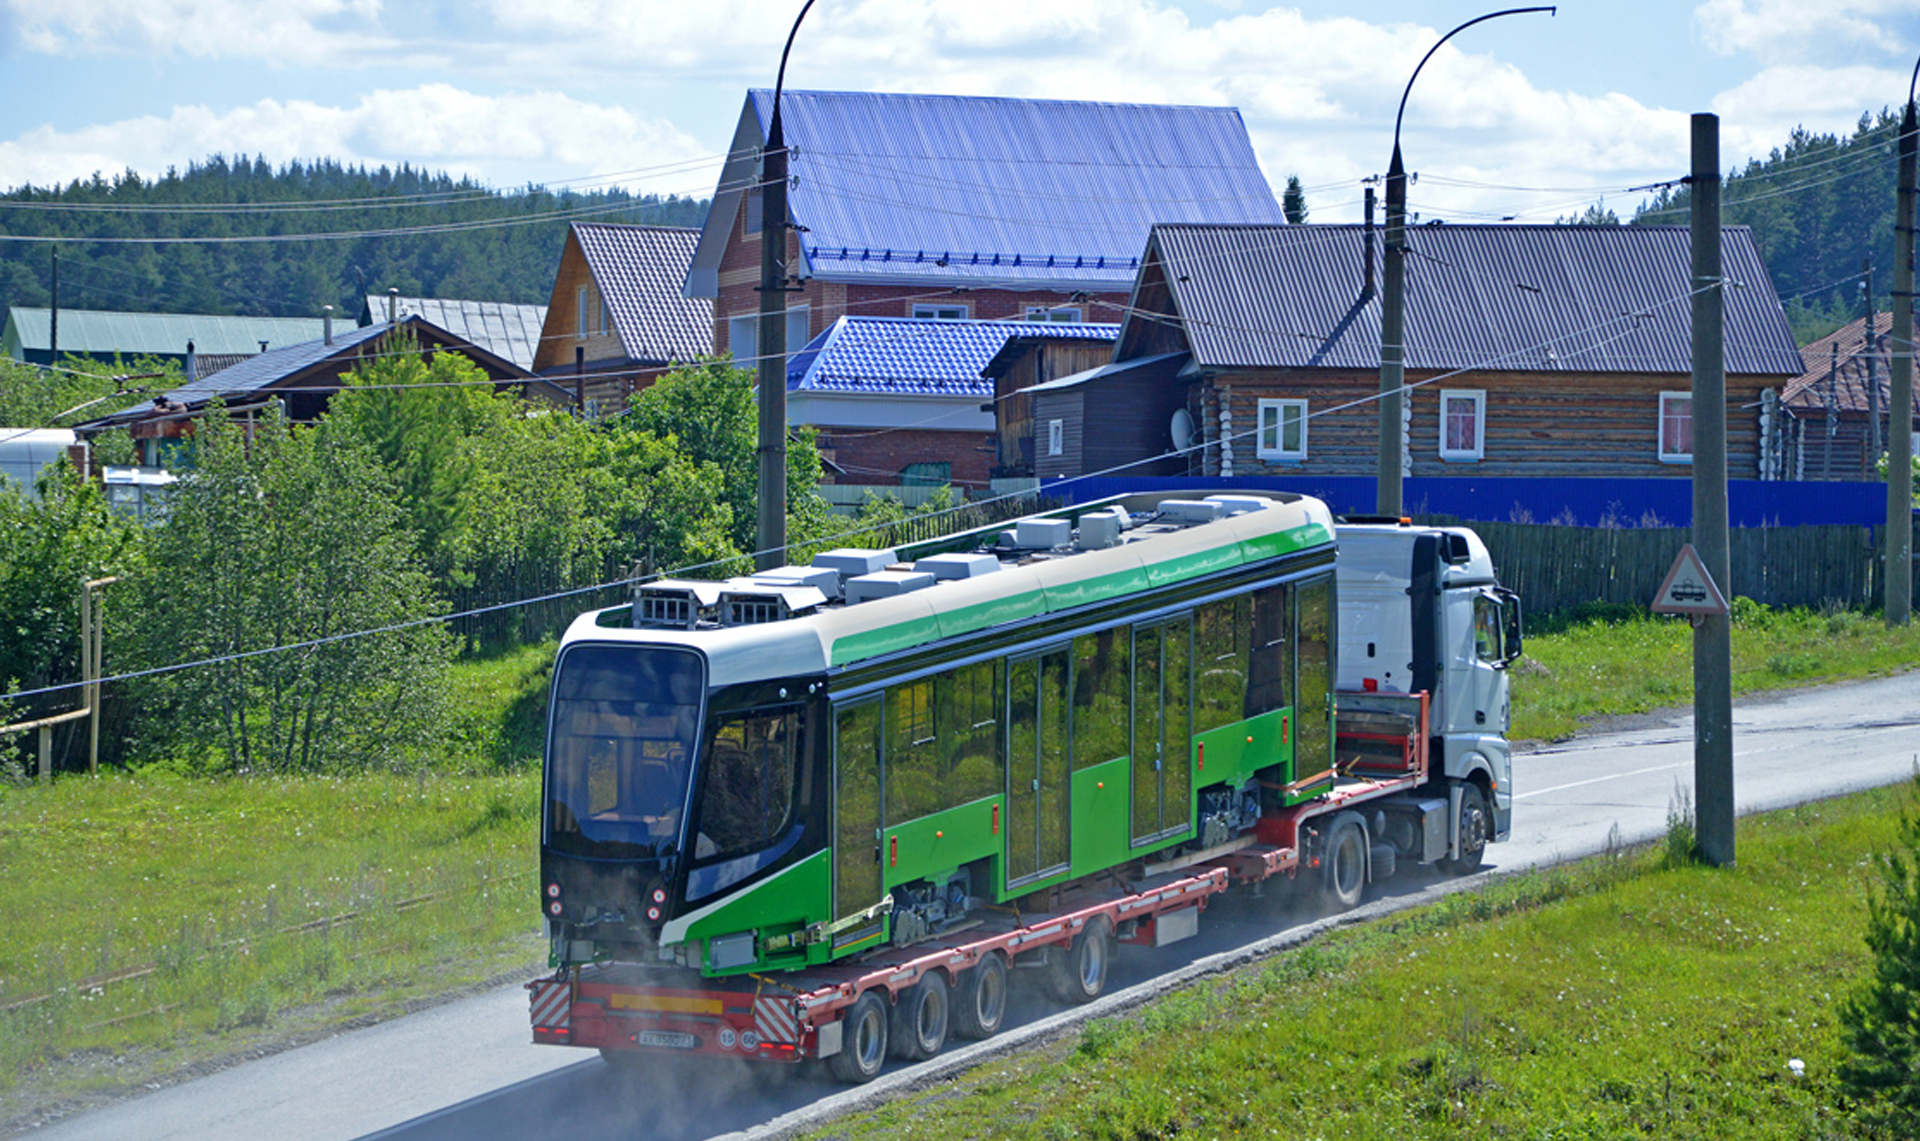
[(1443, 39)]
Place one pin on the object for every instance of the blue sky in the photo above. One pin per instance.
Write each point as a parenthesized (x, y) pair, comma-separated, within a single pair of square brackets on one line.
[(1528, 116)]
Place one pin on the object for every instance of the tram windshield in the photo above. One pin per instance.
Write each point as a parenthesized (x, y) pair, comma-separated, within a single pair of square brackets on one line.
[(625, 723)]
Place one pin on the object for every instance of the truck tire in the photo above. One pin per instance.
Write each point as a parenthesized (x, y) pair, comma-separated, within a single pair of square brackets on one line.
[(1345, 862), (1081, 973), (1476, 825), (863, 1043), (918, 1026), (980, 999)]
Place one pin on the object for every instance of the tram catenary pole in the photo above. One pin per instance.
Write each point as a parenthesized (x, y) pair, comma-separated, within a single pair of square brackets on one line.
[(1899, 544)]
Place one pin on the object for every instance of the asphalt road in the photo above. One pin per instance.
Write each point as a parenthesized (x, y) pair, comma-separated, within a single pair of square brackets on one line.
[(467, 1071)]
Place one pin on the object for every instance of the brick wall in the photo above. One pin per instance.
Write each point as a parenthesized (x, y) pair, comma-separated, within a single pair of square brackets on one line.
[(877, 456)]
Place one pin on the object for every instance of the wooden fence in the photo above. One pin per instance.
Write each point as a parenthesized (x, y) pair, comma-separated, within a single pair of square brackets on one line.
[(1555, 569)]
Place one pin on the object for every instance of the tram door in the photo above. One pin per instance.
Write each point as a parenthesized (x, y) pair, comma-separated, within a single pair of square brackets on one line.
[(1162, 728), (1037, 771)]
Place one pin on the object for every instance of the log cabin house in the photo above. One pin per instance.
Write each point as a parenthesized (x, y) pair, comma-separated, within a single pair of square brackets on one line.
[(1836, 412)]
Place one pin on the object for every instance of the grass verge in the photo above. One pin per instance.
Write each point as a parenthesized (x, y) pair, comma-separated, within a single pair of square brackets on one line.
[(1624, 996)]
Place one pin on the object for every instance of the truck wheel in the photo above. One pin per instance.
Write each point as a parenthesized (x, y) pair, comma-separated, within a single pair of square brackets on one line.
[(1476, 824), (918, 1027), (1081, 974), (863, 1044), (980, 1001), (1346, 862)]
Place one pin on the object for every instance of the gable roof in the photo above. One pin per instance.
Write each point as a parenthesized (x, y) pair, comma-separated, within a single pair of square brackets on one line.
[(501, 327), (1838, 365), (917, 188), (153, 334), (905, 356), (1491, 297), (639, 271)]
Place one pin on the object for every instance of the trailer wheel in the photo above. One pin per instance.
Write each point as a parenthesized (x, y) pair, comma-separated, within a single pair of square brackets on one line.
[(1081, 974), (980, 1001), (863, 1049), (1346, 862), (918, 1026), (1475, 827)]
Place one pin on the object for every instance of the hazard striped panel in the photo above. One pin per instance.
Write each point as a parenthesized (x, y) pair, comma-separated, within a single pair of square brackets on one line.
[(551, 1002), (773, 1019)]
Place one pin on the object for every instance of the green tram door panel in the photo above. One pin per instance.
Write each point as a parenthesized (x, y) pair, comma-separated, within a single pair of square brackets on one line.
[(856, 807), (1313, 728), (1162, 729), (1037, 770)]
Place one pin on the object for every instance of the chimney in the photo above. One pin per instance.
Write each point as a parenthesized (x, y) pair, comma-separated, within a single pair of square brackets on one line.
[(1366, 271), (326, 323), (193, 365), (263, 346), (393, 305), (580, 379)]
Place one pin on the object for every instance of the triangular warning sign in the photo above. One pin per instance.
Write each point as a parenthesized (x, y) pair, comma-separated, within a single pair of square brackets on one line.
[(1689, 589)]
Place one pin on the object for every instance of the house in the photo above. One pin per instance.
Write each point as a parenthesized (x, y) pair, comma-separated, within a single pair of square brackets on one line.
[(1028, 360), (303, 378), (1531, 351), (899, 401), (1836, 412), (942, 206), (617, 319), (508, 331), (106, 336)]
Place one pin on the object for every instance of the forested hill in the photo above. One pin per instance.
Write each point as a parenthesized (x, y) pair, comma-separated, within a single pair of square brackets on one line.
[(1819, 206), (427, 234)]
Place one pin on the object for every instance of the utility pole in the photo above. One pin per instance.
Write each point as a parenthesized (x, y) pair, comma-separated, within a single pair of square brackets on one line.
[(1874, 447), (1712, 634), (53, 338), (1899, 543)]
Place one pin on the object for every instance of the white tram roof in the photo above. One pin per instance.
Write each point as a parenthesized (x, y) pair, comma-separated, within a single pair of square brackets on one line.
[(1160, 548)]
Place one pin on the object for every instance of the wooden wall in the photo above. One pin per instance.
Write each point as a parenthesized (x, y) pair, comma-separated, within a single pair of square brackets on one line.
[(1014, 447)]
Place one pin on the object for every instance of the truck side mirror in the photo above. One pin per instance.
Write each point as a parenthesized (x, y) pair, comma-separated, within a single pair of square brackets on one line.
[(1510, 615)]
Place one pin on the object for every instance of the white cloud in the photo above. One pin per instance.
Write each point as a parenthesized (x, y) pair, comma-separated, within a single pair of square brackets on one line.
[(503, 139), (1758, 115), (1784, 31), (284, 31)]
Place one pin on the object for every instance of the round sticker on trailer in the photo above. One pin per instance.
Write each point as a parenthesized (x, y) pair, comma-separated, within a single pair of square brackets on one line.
[(726, 1039), (749, 1040)]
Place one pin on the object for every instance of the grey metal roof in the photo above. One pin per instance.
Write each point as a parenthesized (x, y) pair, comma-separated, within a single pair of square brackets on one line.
[(507, 330), (157, 334), (945, 187), (1165, 364), (1495, 297), (639, 271), (258, 372)]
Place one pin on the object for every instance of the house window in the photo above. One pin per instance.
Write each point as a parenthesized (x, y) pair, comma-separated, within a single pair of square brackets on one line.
[(1463, 424), (927, 473), (1059, 315), (743, 334), (940, 312), (580, 312), (1283, 430), (1056, 438), (1676, 427), (606, 318)]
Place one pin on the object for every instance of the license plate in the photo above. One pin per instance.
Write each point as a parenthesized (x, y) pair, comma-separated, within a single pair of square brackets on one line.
[(666, 1038)]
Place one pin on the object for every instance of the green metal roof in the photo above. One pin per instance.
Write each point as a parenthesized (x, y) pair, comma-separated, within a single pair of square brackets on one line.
[(156, 334)]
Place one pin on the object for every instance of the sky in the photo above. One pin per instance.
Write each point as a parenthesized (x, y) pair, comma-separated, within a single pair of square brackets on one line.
[(1527, 116)]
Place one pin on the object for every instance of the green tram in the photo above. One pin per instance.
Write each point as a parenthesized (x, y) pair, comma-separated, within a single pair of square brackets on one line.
[(783, 770)]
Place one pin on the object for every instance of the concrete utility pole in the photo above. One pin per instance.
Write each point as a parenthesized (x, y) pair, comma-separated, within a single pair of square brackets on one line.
[(1712, 635), (53, 336), (1899, 544), (770, 535), (1393, 294), (1874, 447)]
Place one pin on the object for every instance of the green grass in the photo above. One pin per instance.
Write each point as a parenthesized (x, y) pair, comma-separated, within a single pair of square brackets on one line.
[(1638, 663), (1620, 997), (499, 710)]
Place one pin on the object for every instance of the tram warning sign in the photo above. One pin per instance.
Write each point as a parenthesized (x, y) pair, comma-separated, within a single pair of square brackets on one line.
[(1688, 588)]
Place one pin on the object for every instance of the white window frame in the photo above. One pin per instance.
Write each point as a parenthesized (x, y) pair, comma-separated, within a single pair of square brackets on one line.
[(606, 317), (1478, 398), (1055, 314), (580, 312), (1274, 413), (743, 332), (1661, 451), (1056, 438), (946, 311)]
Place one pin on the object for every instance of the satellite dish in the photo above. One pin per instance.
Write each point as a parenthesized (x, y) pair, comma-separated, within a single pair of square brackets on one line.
[(1182, 428)]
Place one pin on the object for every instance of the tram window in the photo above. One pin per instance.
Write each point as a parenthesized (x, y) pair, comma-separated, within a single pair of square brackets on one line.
[(1312, 751), (913, 785), (967, 707), (1220, 663), (1100, 708), (751, 769), (856, 839), (1270, 663)]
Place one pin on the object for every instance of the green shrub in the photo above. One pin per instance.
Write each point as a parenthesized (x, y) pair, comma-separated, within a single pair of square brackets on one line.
[(1881, 1020)]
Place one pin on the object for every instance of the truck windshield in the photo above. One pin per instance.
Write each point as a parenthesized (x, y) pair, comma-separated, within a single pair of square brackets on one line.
[(625, 723)]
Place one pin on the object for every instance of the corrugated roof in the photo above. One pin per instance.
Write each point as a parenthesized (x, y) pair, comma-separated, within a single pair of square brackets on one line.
[(158, 334), (1844, 384), (508, 331), (639, 270), (258, 372), (903, 356), (1503, 297), (946, 187)]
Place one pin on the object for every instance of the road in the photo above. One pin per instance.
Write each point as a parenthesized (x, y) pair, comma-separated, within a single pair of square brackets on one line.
[(465, 1070)]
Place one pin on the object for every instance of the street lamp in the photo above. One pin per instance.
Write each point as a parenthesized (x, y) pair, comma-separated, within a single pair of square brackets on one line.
[(1899, 545), (1393, 299), (770, 536)]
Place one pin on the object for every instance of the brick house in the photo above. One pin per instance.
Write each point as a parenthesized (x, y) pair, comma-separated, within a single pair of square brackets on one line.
[(940, 206)]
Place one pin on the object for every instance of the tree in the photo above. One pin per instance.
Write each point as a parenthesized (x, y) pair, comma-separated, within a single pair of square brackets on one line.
[(1294, 201), (1595, 215), (1880, 1021)]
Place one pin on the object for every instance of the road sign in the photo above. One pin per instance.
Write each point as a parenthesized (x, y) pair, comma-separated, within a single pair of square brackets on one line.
[(1688, 588)]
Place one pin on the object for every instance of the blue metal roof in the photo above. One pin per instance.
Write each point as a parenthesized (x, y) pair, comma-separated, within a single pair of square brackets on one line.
[(947, 187), (1493, 297), (903, 356)]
